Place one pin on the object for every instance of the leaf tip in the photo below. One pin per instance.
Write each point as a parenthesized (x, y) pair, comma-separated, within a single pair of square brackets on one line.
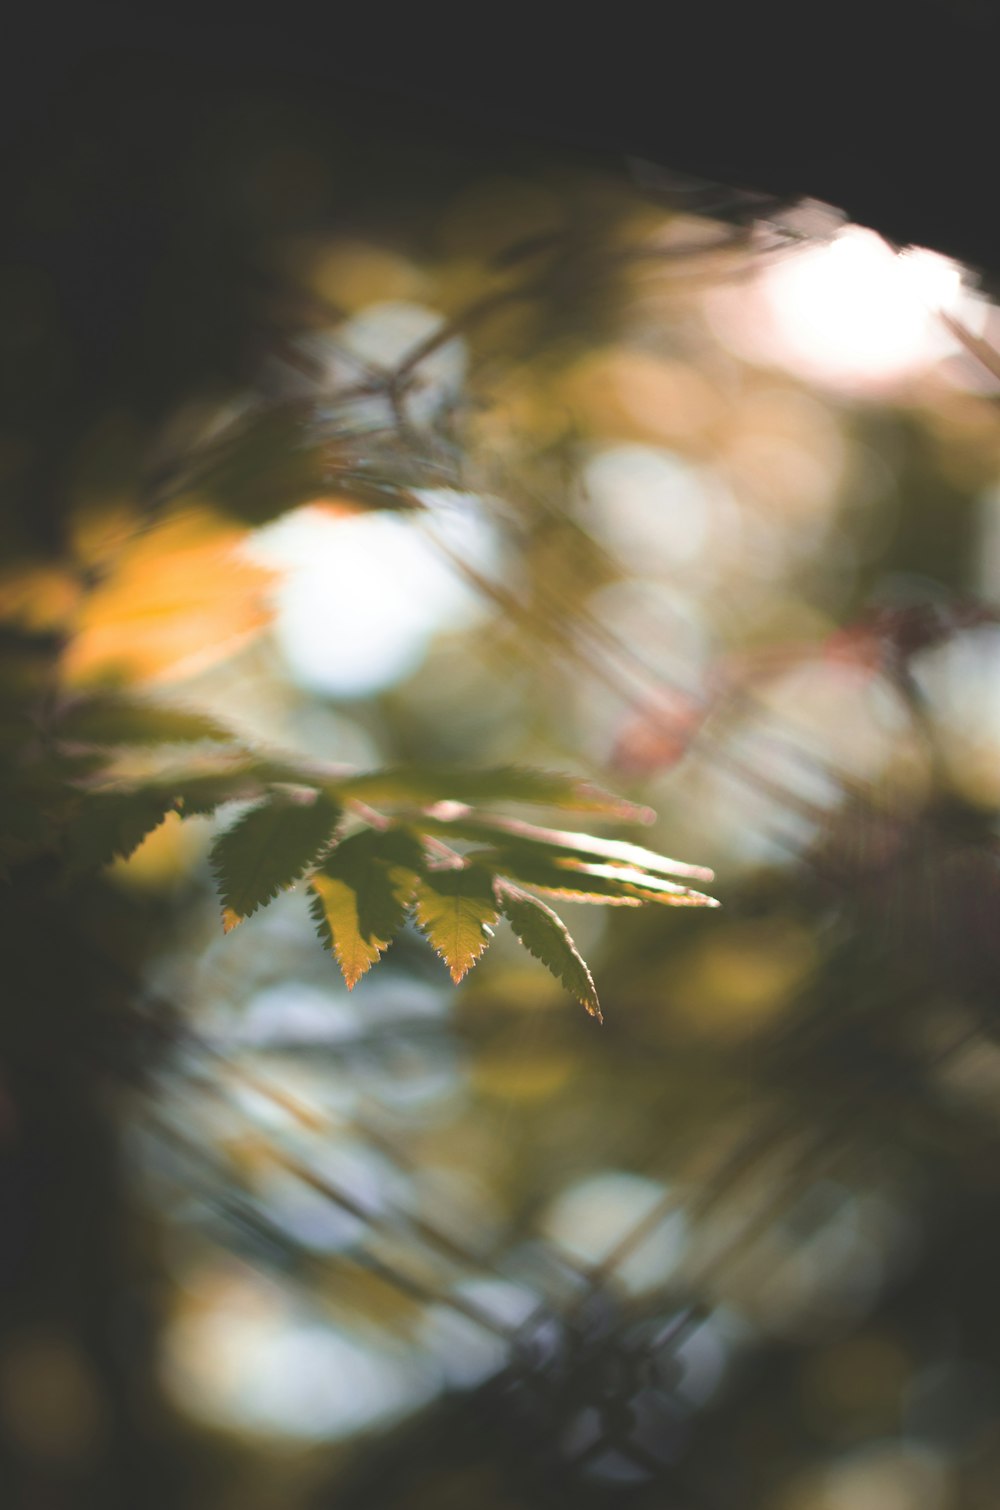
[(590, 1005), (230, 919)]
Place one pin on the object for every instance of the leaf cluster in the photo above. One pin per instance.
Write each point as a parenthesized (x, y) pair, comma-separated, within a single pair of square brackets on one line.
[(438, 849)]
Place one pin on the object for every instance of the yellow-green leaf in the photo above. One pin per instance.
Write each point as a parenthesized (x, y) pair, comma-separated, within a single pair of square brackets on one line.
[(360, 895), (546, 936), (456, 909), (557, 846), (580, 881)]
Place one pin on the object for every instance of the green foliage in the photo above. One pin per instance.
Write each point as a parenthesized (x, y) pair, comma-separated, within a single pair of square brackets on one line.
[(398, 860), (558, 845), (546, 936), (111, 825), (269, 849), (362, 887), (578, 881), (112, 721), (361, 893)]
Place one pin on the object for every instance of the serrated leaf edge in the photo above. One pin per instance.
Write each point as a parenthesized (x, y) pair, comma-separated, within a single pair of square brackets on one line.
[(457, 974), (505, 891), (231, 916)]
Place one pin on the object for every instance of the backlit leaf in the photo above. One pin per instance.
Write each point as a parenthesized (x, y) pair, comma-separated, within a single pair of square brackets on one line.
[(179, 597), (578, 881), (456, 909), (268, 850), (546, 936), (553, 844), (360, 895)]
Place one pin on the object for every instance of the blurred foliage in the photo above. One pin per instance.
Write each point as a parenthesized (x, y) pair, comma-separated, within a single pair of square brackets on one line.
[(345, 391)]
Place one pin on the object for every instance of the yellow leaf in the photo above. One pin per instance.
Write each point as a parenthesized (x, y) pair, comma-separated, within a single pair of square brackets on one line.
[(456, 909), (177, 598)]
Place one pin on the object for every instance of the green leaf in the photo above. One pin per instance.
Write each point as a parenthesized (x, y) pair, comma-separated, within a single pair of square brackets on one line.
[(558, 845), (421, 786), (546, 936), (112, 825), (360, 895), (578, 881), (268, 850), (118, 721), (456, 909)]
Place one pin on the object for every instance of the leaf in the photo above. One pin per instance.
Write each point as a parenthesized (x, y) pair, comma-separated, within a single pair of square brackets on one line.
[(553, 844), (421, 786), (361, 893), (211, 781), (641, 883), (112, 825), (178, 597), (546, 936), (578, 881), (118, 721), (268, 850), (200, 795), (456, 910)]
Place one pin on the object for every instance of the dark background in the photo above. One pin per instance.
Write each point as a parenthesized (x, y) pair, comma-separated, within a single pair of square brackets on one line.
[(885, 110)]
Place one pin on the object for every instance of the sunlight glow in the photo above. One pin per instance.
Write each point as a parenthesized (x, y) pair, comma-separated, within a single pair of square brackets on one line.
[(239, 1356), (362, 597), (591, 1217), (851, 313), (653, 508)]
